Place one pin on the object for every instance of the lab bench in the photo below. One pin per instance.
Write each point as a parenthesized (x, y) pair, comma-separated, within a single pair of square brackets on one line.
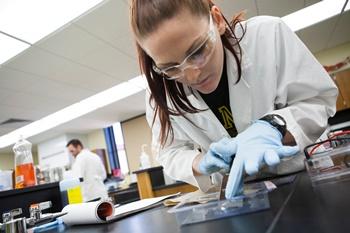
[(23, 198), (296, 207)]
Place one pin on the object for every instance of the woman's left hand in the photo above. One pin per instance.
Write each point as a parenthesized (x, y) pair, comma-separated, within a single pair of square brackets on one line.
[(259, 144)]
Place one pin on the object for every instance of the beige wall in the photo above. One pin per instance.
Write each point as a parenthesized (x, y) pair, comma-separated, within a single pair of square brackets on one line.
[(7, 160), (96, 140), (334, 55), (136, 132)]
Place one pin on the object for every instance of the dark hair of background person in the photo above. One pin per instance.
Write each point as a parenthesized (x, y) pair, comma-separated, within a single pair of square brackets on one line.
[(75, 143)]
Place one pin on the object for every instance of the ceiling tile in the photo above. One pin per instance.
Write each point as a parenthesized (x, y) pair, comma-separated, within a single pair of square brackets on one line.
[(37, 62), (278, 7), (32, 114), (12, 126), (127, 46), (53, 89), (316, 36), (4, 93), (232, 7), (32, 102), (16, 80), (112, 62), (311, 2), (93, 52), (109, 22), (80, 76), (70, 42), (341, 34), (7, 111), (4, 131), (47, 65)]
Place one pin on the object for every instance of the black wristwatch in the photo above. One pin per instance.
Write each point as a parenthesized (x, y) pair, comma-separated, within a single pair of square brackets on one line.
[(276, 121)]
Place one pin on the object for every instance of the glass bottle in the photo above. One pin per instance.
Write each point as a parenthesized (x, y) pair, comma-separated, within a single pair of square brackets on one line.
[(24, 166)]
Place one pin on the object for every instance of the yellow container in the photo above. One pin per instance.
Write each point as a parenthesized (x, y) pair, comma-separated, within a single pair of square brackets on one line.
[(71, 191)]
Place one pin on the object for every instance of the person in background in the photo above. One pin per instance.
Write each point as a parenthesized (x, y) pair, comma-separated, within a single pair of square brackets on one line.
[(90, 167), (247, 93)]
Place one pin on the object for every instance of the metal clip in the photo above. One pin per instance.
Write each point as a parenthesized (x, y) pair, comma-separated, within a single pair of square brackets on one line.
[(19, 225), (8, 216), (12, 225), (35, 211), (38, 218)]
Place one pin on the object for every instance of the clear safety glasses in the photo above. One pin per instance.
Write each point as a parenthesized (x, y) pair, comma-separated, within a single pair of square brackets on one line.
[(196, 59)]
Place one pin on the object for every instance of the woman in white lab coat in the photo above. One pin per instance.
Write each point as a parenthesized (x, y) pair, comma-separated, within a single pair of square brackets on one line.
[(241, 96)]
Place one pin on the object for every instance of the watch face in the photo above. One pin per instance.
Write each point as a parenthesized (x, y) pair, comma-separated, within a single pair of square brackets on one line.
[(279, 121)]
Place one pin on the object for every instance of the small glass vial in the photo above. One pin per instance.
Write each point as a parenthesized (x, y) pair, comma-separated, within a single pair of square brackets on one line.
[(24, 166)]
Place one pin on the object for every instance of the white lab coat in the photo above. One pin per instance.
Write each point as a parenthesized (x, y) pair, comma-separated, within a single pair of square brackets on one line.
[(280, 76), (89, 166)]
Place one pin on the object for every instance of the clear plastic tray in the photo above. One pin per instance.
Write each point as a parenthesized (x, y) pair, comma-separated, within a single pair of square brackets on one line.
[(254, 199), (329, 166)]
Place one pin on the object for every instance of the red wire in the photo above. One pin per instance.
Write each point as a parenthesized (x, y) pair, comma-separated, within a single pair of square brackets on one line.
[(329, 139)]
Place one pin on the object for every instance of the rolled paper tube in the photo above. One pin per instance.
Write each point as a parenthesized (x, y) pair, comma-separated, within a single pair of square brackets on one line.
[(87, 213)]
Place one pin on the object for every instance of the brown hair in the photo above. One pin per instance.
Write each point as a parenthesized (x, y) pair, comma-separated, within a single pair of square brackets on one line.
[(146, 16)]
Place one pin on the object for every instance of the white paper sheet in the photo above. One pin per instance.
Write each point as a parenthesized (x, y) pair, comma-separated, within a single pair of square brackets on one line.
[(137, 206)]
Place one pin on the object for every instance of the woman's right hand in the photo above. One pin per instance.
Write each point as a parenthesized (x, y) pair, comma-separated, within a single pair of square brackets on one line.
[(216, 158)]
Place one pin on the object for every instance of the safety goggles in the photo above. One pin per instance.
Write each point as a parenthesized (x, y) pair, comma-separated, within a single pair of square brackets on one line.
[(196, 59)]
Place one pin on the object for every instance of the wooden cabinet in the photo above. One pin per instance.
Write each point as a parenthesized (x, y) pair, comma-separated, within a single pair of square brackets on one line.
[(150, 183), (342, 79)]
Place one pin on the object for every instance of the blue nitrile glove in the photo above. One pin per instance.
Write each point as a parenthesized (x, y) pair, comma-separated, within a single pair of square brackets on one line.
[(217, 158), (259, 144)]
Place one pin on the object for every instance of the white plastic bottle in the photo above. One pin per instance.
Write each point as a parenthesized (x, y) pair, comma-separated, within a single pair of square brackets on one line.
[(144, 158)]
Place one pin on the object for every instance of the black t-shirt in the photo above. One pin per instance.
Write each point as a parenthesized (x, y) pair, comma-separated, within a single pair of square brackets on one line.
[(219, 102)]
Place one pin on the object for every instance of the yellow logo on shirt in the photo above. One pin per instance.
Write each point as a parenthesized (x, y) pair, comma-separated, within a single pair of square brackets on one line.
[(226, 115)]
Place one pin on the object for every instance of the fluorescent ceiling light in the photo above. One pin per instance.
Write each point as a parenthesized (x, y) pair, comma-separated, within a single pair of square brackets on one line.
[(74, 111), (314, 14), (10, 47), (139, 81), (32, 20)]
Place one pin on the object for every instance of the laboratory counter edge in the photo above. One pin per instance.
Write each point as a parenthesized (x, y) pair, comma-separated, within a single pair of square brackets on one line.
[(296, 207)]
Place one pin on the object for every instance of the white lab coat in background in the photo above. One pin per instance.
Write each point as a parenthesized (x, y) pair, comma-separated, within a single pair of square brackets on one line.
[(89, 166), (280, 76)]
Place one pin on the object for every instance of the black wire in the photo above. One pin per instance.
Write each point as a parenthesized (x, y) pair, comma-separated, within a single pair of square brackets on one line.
[(346, 3)]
